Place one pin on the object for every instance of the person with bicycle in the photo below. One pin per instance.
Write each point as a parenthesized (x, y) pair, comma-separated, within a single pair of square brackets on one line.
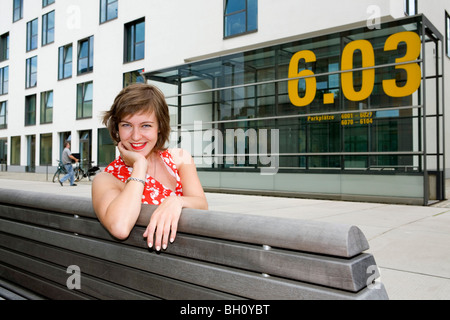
[(146, 172), (66, 159)]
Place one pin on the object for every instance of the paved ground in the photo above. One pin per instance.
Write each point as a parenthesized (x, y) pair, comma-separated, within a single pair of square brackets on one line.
[(411, 244)]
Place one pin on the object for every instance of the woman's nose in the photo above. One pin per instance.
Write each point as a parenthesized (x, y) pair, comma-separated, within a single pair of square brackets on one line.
[(136, 134)]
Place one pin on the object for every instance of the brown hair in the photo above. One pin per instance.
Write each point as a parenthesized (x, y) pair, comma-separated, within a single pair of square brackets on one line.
[(139, 98)]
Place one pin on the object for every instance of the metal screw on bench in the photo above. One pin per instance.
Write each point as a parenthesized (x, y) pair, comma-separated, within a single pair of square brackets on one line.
[(76, 217), (267, 248)]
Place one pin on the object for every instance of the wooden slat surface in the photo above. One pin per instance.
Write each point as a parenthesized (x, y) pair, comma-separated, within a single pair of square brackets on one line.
[(39, 285), (303, 235), (233, 281), (217, 255), (20, 291), (324, 270), (157, 286), (92, 287)]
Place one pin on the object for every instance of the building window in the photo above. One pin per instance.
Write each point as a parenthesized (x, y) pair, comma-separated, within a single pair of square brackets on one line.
[(3, 114), (86, 55), (48, 28), (32, 35), (84, 100), (447, 34), (15, 151), (240, 16), (85, 146), (4, 47), (30, 110), (46, 3), (31, 72), (411, 7), (65, 62), (135, 40), (45, 153), (17, 10), (108, 10), (4, 80), (106, 147), (133, 77), (47, 107)]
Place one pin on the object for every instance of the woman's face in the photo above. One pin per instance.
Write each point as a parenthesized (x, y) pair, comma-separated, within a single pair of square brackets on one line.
[(139, 132)]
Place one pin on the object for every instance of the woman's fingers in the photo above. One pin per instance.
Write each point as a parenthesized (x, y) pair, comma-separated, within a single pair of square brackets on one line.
[(158, 235), (162, 228), (173, 231), (149, 234)]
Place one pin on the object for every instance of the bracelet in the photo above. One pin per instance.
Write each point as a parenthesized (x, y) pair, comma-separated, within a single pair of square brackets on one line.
[(135, 179), (182, 202)]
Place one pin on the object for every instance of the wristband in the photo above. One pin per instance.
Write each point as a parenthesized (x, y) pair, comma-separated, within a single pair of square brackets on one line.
[(135, 179)]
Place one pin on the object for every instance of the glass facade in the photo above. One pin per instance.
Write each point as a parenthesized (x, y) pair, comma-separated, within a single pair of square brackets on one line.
[(15, 151), (352, 102), (84, 100), (4, 47), (134, 40), (30, 110), (108, 10), (47, 107), (447, 34), (4, 80), (48, 28), (32, 35), (31, 72), (240, 17), (86, 55), (106, 148), (3, 114), (65, 62), (45, 153)]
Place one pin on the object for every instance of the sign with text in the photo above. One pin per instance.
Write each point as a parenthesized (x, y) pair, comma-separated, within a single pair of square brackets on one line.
[(406, 42)]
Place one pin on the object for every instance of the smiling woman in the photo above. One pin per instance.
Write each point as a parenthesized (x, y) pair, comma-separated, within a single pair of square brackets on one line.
[(145, 172)]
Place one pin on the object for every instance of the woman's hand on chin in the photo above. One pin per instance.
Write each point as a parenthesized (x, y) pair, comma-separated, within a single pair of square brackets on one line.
[(130, 157)]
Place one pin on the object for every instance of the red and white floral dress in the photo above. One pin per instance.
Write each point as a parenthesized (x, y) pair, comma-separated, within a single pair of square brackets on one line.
[(154, 191)]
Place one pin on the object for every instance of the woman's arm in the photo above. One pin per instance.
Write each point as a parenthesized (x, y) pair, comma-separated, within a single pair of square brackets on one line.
[(116, 204), (193, 194), (164, 221)]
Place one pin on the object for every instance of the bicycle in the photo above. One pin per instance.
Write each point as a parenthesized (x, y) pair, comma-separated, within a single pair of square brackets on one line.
[(80, 173), (61, 170)]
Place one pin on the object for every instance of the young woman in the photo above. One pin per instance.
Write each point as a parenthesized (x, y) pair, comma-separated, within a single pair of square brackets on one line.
[(145, 172)]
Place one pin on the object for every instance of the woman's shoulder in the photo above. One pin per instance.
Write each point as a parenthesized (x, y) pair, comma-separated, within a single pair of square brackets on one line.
[(105, 180)]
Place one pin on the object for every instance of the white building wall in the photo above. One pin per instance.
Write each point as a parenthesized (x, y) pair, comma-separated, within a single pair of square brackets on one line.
[(196, 32), (177, 31)]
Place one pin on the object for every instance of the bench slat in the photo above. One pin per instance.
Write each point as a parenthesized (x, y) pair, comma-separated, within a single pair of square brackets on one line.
[(303, 235), (148, 283), (238, 282), (21, 291), (92, 287), (347, 274), (39, 285)]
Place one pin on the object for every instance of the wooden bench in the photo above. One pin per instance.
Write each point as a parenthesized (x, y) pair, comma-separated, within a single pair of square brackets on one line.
[(49, 244)]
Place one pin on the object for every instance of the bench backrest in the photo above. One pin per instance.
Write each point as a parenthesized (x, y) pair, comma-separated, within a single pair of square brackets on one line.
[(217, 255)]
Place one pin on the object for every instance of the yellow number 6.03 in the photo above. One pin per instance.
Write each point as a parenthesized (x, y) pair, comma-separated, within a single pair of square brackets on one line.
[(310, 80), (413, 70), (368, 75)]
